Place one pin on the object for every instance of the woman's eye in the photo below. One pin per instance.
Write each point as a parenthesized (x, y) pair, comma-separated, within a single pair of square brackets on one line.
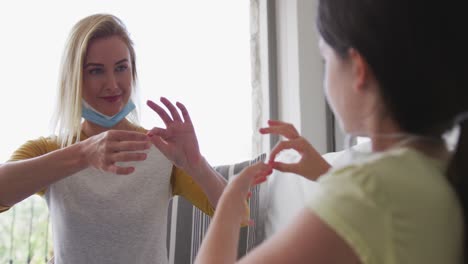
[(121, 68), (95, 71)]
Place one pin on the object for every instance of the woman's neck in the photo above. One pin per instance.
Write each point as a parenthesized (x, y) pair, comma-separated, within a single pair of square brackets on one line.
[(90, 129)]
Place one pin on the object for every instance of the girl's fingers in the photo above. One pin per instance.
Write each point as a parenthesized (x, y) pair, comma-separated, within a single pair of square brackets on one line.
[(260, 180), (246, 221), (276, 123), (295, 144), (288, 131), (286, 167), (254, 174)]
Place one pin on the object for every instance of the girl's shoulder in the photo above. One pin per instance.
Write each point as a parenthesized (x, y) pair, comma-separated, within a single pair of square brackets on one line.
[(390, 176)]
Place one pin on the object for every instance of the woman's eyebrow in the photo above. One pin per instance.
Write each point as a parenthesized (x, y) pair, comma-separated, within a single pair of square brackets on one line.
[(122, 60), (93, 64)]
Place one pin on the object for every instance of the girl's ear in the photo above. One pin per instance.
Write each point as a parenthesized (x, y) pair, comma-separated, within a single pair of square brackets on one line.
[(360, 70)]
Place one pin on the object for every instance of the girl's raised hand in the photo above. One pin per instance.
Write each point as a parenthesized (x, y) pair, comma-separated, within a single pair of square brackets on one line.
[(311, 165)]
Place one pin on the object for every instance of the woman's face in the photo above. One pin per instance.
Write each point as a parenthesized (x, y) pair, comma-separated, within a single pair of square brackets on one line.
[(107, 75)]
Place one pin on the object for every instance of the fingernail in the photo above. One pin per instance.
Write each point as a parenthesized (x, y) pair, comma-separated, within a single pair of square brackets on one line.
[(249, 194)]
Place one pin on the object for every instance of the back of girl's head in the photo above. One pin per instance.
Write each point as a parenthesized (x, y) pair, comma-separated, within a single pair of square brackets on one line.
[(417, 53), (68, 112)]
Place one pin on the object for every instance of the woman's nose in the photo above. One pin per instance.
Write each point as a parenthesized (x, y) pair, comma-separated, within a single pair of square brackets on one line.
[(111, 82)]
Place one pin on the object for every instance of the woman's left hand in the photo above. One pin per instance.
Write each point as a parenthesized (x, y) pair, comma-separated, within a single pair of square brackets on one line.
[(178, 141)]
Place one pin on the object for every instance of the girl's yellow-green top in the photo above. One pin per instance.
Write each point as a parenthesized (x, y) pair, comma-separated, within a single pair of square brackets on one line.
[(393, 207)]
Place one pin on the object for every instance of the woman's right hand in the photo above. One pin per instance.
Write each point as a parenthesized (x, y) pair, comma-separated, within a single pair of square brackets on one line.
[(311, 165), (104, 150)]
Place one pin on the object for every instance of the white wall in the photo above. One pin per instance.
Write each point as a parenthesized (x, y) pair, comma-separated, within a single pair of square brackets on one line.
[(300, 71)]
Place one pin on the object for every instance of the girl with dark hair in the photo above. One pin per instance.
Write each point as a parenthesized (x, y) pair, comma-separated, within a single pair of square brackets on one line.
[(396, 72)]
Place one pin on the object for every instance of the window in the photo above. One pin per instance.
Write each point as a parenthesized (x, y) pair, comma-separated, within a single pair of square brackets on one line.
[(197, 52)]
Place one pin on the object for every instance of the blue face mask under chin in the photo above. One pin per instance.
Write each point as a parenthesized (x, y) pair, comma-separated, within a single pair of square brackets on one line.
[(92, 115)]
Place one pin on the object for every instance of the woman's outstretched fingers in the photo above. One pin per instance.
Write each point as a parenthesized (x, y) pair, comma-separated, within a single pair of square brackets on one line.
[(160, 111), (172, 109), (160, 132), (178, 141), (159, 143), (185, 113)]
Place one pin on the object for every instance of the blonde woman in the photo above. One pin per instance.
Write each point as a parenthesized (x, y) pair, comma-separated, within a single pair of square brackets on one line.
[(107, 181)]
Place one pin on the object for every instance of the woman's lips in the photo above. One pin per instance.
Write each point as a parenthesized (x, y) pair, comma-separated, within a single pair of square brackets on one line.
[(112, 99)]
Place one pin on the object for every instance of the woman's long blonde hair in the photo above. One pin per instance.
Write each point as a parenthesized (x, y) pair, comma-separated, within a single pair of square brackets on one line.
[(66, 121)]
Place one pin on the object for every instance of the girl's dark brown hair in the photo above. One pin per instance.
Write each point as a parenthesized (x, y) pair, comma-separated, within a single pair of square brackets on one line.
[(417, 51)]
